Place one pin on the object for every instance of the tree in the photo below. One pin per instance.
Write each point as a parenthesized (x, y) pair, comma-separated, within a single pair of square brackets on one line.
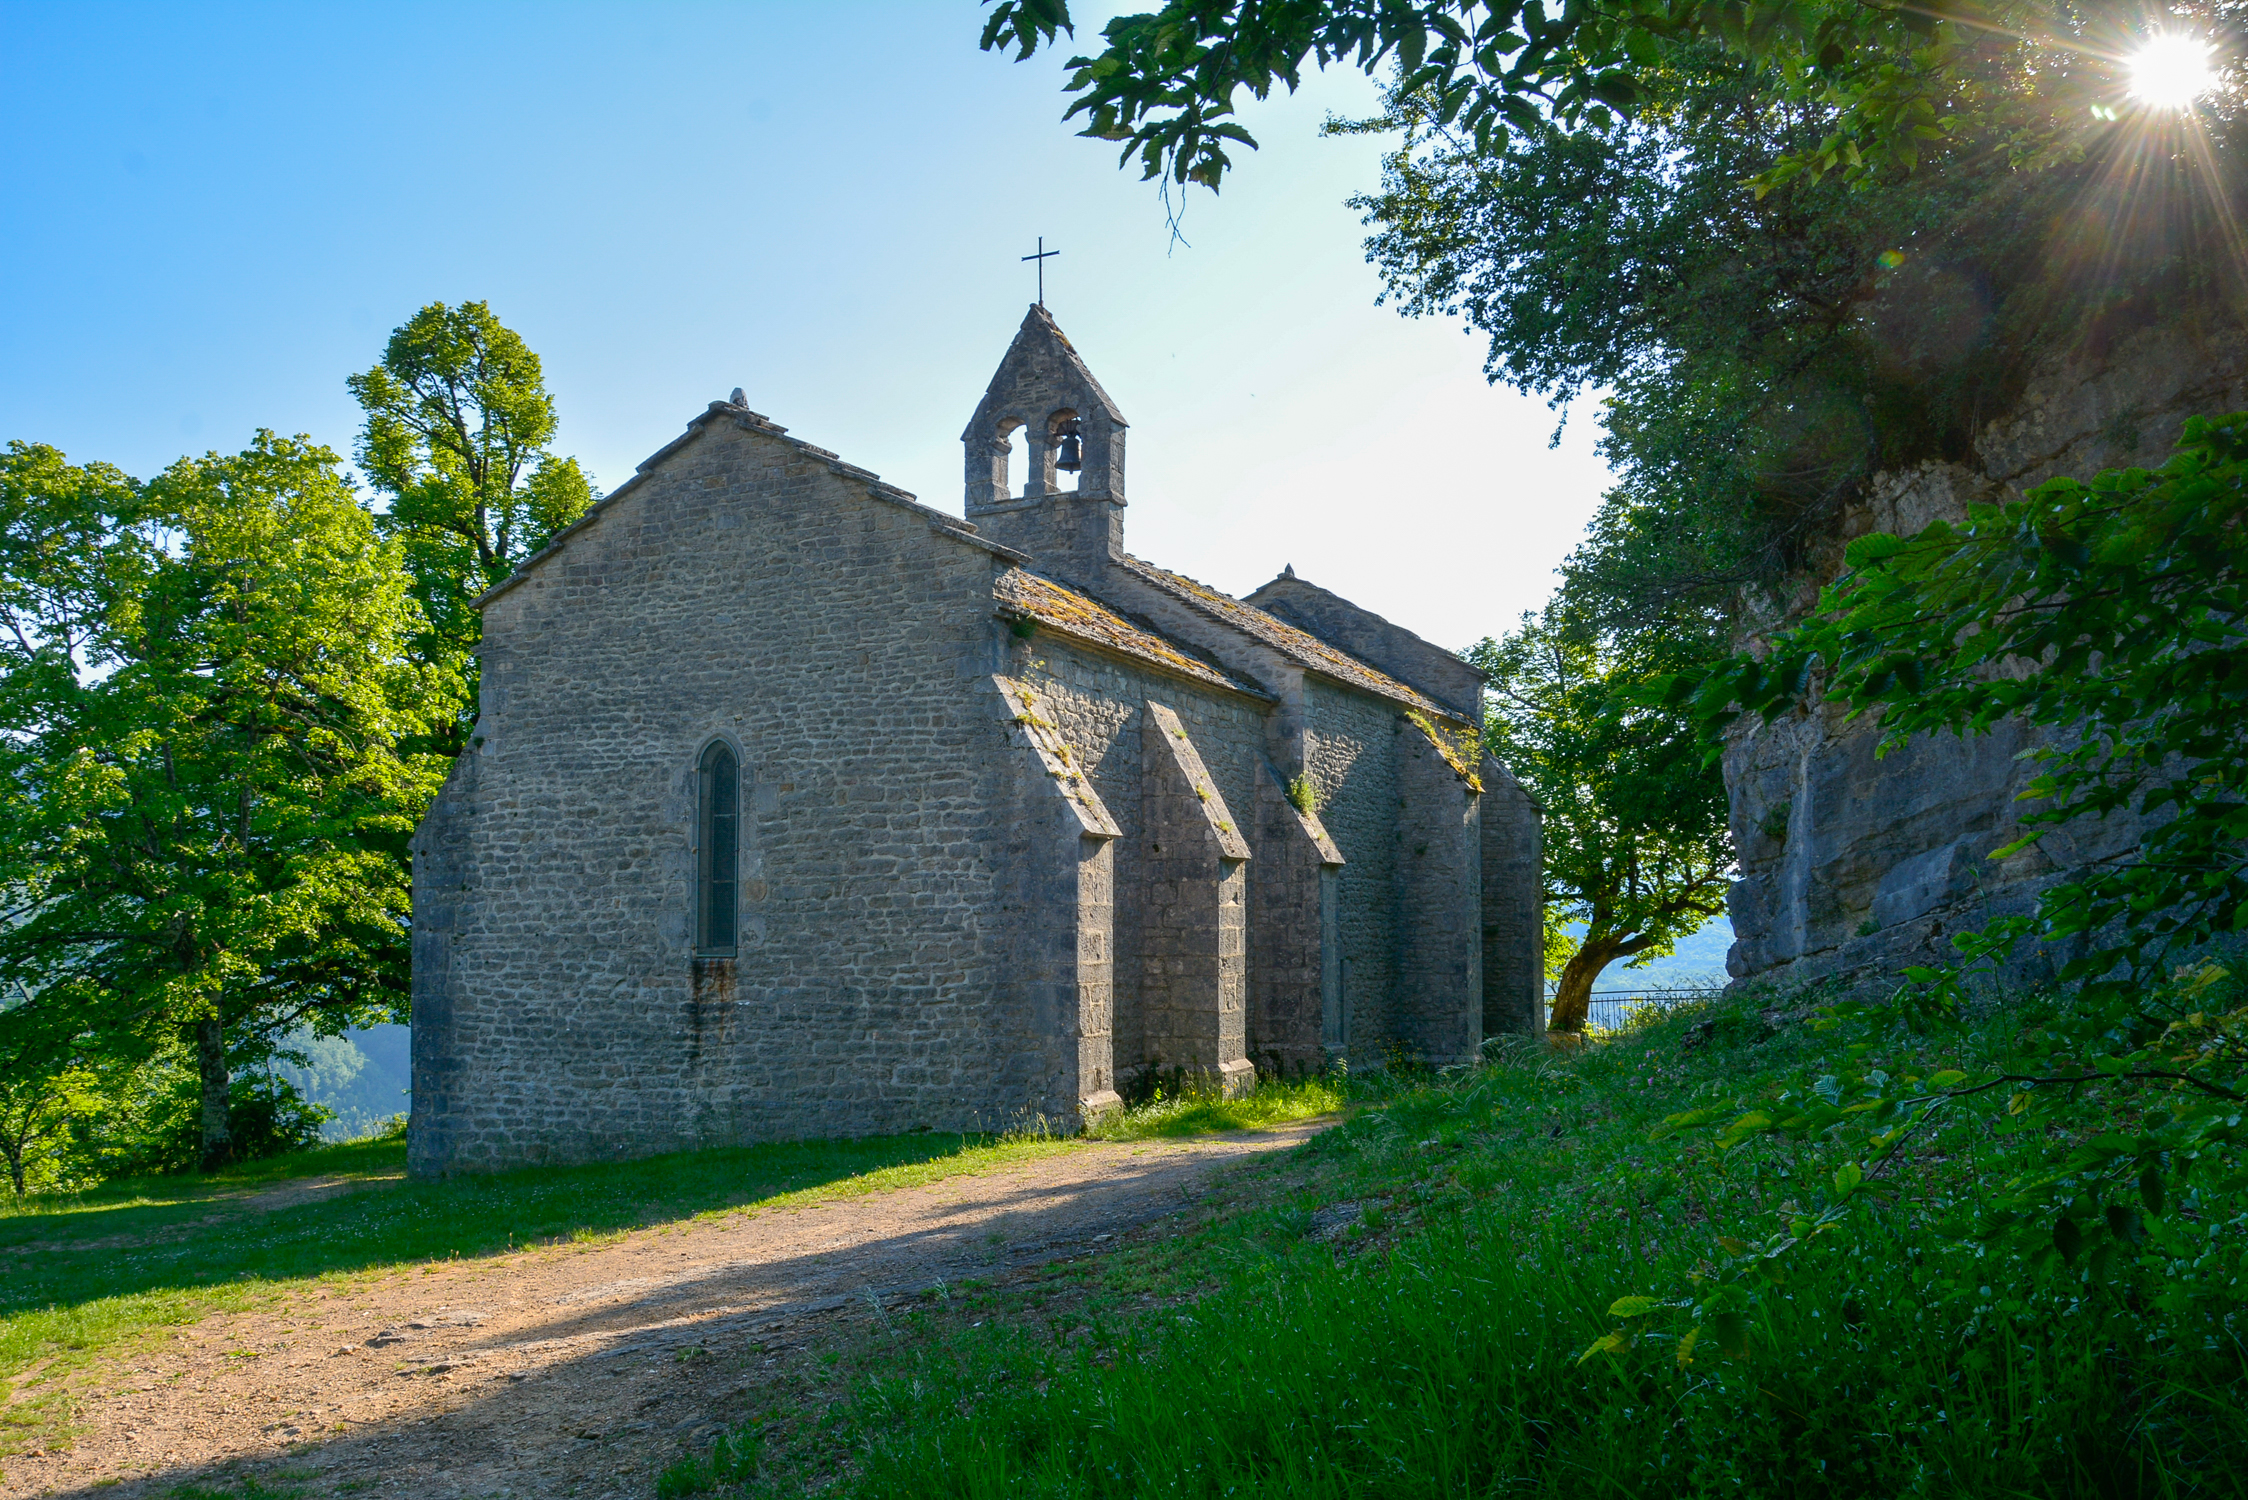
[(1768, 336), (50, 1079), (1887, 79), (1636, 845), (204, 795), (1765, 355), (458, 419)]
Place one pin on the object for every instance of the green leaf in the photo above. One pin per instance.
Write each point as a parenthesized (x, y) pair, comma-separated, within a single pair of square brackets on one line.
[(1754, 1123), (1607, 1343), (1689, 1120)]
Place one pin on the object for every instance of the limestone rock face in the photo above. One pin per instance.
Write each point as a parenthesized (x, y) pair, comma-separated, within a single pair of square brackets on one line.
[(1854, 865)]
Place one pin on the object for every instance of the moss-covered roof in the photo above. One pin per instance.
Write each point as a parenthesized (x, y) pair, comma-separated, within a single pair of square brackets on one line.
[(1299, 646), (1025, 595)]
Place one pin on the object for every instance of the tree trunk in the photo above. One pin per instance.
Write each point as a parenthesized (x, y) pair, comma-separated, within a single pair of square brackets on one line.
[(15, 1153), (210, 1058), (1572, 1000)]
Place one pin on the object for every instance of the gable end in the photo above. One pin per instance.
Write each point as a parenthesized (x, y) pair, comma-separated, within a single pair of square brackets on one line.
[(749, 421)]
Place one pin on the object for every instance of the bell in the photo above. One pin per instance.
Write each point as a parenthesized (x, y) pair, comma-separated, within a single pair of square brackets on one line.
[(1069, 454)]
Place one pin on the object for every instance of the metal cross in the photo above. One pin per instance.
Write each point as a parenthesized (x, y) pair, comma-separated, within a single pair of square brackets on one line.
[(1042, 257)]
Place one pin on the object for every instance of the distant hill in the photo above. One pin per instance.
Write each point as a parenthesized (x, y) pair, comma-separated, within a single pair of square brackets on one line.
[(362, 1075), (1700, 960)]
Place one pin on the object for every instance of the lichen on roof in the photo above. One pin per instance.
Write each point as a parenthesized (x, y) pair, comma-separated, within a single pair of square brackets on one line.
[(1459, 750), (1022, 594), (1300, 646)]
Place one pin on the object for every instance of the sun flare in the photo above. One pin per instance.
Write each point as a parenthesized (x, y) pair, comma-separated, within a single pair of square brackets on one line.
[(2170, 71)]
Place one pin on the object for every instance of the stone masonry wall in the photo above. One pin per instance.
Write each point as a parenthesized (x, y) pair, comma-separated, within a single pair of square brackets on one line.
[(1295, 936), (1351, 754), (751, 588), (443, 887), (1060, 890), (1857, 866), (1439, 1002), (1513, 906), (1193, 897)]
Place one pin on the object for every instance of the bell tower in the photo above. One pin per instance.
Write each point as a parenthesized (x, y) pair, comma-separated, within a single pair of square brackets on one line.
[(1070, 427)]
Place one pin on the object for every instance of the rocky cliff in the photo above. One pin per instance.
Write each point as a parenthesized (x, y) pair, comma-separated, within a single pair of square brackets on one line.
[(1855, 866)]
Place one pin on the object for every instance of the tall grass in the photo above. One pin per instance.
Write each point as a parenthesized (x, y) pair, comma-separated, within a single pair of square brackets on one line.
[(1433, 1347)]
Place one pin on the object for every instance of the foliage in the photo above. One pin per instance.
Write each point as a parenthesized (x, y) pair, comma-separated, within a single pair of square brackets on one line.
[(1636, 843), (2127, 1190), (1401, 1309), (153, 1121), (2111, 613), (1764, 356), (50, 1082), (458, 422), (1886, 80), (204, 801), (1559, 945)]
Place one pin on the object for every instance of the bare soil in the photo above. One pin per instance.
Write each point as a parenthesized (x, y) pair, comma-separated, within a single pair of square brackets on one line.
[(580, 1369)]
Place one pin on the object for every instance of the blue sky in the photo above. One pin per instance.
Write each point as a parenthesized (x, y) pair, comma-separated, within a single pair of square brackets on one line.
[(217, 212)]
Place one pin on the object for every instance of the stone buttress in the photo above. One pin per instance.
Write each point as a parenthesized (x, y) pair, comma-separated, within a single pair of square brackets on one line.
[(1295, 943), (1193, 914), (1062, 894)]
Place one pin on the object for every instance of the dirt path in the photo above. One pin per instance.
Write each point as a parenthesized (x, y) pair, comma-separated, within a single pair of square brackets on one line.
[(581, 1370)]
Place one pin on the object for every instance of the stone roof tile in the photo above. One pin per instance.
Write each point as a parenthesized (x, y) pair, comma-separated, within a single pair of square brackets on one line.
[(1025, 595), (1300, 646)]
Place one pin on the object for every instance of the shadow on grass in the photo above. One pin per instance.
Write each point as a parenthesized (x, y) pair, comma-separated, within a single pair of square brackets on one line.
[(101, 1266), (130, 1205)]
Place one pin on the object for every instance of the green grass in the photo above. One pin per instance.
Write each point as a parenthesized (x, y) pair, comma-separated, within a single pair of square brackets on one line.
[(84, 1273), (358, 1161), (1399, 1309), (1201, 1111)]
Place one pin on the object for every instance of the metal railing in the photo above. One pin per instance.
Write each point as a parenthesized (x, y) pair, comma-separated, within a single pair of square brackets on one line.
[(1608, 1010)]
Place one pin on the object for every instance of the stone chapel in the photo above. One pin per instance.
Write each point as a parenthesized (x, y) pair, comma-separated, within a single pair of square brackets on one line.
[(796, 808)]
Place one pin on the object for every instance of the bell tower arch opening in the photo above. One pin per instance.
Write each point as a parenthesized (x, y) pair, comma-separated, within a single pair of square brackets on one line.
[(1065, 452), (1012, 466)]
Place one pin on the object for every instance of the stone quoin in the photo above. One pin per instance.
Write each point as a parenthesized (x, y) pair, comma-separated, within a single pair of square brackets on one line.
[(796, 808)]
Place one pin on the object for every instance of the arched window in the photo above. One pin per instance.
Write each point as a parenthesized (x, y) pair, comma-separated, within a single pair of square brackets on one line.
[(717, 851)]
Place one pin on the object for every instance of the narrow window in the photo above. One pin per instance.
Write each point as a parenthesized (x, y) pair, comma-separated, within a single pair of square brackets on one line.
[(716, 851)]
